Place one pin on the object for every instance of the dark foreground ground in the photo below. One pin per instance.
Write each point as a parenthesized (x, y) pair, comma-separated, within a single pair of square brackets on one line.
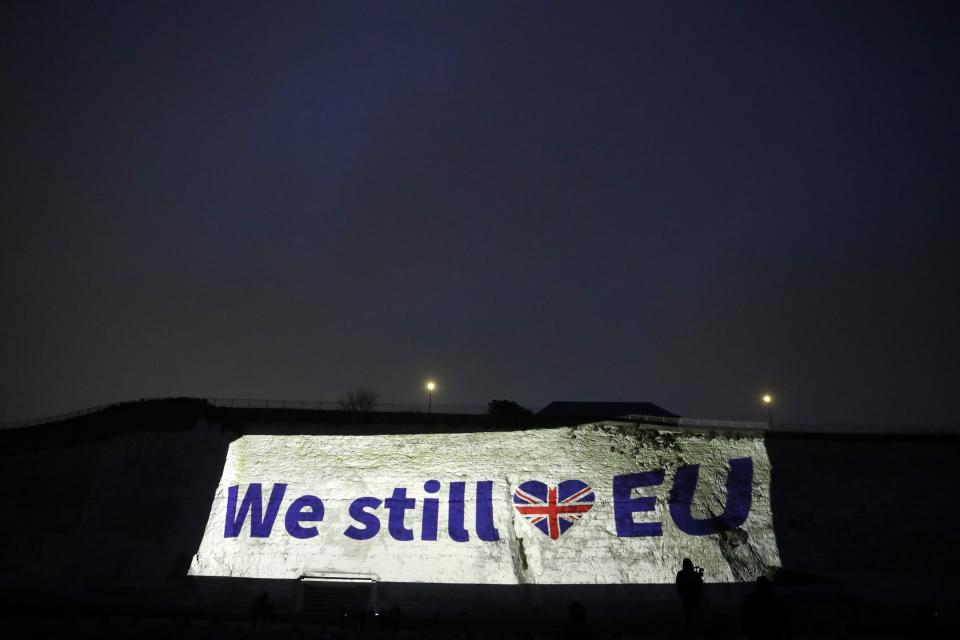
[(475, 627), (100, 516)]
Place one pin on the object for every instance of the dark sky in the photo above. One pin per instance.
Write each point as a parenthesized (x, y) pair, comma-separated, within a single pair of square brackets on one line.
[(686, 203)]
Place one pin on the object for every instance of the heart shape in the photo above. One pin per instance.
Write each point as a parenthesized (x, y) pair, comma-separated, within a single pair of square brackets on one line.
[(553, 510)]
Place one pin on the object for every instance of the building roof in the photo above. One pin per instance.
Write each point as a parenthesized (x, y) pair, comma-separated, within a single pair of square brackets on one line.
[(603, 410)]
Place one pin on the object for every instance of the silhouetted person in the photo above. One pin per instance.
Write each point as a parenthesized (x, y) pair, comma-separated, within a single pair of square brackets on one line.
[(576, 622), (690, 590), (394, 618), (261, 611), (763, 613), (216, 630)]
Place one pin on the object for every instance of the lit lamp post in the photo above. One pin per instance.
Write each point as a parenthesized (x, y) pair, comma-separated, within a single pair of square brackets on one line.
[(431, 385), (768, 400)]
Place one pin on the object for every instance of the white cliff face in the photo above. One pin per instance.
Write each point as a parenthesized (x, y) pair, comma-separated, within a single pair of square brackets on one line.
[(496, 543)]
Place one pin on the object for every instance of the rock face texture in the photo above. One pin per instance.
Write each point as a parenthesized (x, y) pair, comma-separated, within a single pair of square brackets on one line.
[(615, 503), (107, 511)]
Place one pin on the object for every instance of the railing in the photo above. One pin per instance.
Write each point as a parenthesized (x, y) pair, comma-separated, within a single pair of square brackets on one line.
[(465, 409), (866, 429), (334, 405), (472, 409), (697, 422)]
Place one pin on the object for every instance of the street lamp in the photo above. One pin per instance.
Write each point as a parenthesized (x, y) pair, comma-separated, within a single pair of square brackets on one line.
[(768, 400), (431, 385)]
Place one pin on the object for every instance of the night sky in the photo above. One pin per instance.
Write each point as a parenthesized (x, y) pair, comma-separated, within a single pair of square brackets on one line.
[(688, 204)]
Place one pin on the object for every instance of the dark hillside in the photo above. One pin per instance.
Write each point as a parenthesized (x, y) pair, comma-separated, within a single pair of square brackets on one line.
[(103, 513)]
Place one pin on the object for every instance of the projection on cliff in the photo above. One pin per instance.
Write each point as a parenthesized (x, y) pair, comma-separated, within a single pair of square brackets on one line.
[(593, 504)]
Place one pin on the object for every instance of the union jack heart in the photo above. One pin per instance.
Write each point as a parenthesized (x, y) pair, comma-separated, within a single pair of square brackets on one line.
[(553, 510)]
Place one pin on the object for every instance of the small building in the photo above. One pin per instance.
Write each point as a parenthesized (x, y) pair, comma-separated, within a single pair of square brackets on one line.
[(592, 411)]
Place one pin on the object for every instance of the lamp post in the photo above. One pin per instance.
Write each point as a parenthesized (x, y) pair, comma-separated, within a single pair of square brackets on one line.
[(768, 400), (431, 385)]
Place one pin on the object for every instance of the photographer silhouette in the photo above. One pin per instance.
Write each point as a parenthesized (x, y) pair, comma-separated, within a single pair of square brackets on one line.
[(690, 590)]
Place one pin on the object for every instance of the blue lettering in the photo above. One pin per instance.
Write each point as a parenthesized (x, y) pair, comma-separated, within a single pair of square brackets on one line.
[(260, 527), (455, 521), (485, 529), (431, 507), (397, 506), (358, 511), (624, 505), (295, 515), (739, 490)]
